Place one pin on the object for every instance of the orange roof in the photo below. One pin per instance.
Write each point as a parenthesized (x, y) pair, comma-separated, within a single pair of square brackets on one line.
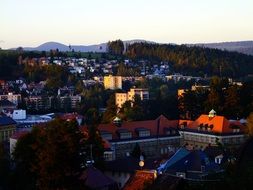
[(219, 124), (156, 126), (140, 179)]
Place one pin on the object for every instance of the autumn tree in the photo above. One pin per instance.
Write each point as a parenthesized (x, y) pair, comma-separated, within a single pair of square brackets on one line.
[(50, 157), (250, 124), (111, 110)]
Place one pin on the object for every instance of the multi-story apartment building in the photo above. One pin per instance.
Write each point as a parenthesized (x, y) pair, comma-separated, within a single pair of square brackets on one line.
[(45, 103), (121, 98), (38, 103), (211, 130), (155, 137), (113, 82), (71, 100), (14, 98)]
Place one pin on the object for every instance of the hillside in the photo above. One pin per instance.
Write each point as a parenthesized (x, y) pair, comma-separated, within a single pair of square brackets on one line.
[(245, 47), (82, 48), (62, 47), (194, 60)]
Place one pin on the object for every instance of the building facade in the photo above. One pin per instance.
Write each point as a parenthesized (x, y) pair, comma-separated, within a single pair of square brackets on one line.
[(113, 82), (155, 137), (210, 130), (121, 98)]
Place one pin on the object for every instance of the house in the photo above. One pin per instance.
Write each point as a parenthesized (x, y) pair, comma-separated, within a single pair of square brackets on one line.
[(155, 137), (211, 130), (121, 98), (7, 128)]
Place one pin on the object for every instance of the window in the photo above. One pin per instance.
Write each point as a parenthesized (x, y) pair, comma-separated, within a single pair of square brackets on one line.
[(125, 135), (107, 136), (144, 133)]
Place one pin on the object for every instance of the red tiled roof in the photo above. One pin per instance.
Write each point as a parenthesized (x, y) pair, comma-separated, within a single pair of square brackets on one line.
[(219, 123), (156, 127), (139, 180)]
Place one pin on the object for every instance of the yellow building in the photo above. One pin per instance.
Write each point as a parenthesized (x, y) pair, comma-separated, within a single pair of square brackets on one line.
[(113, 82), (121, 98), (7, 128)]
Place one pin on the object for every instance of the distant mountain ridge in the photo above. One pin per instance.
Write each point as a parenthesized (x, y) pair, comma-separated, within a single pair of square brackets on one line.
[(82, 48), (245, 47), (62, 47)]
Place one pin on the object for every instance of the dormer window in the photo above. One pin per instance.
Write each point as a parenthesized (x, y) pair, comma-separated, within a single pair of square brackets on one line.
[(200, 127), (206, 127), (235, 128), (183, 125), (106, 135), (124, 134), (142, 132)]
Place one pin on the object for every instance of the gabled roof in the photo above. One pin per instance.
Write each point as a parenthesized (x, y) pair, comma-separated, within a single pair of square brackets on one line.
[(193, 162), (6, 121), (156, 127), (181, 153)]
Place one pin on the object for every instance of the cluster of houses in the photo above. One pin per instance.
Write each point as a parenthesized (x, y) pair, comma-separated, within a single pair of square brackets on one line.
[(179, 148), (189, 149)]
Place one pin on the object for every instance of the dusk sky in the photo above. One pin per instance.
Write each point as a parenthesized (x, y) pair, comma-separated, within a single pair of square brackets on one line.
[(83, 22)]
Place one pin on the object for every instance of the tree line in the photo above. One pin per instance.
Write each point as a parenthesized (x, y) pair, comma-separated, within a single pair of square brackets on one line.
[(197, 61)]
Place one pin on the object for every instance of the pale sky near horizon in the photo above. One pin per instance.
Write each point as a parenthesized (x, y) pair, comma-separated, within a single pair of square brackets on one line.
[(29, 23)]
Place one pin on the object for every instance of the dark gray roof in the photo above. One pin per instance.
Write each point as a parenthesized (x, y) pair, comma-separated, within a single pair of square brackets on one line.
[(213, 151), (4, 103), (6, 121), (95, 179)]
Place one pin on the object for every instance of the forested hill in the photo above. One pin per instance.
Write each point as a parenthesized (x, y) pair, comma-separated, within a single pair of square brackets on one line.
[(194, 60)]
